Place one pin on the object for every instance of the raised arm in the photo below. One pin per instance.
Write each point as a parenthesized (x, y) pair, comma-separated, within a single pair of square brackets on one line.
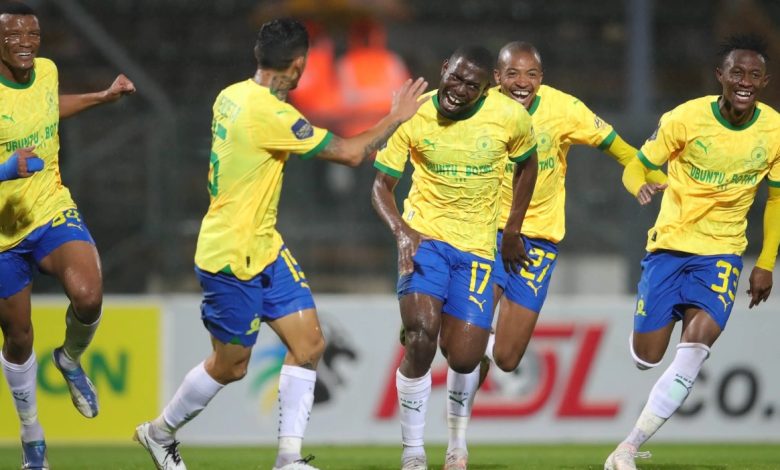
[(408, 239), (761, 276), (74, 104), (512, 249), (353, 150)]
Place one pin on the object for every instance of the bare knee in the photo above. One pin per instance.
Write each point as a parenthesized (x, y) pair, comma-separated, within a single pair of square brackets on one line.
[(507, 362), (226, 373), (18, 343), (646, 357), (87, 302), (308, 353)]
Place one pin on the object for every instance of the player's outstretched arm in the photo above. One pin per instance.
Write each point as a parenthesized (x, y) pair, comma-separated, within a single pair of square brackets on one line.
[(352, 151), (22, 164), (512, 249), (384, 204), (74, 104), (636, 182), (761, 276), (624, 153)]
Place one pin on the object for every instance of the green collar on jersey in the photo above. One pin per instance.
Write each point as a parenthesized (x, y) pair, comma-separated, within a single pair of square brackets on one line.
[(534, 105), (462, 116), (18, 86), (728, 125)]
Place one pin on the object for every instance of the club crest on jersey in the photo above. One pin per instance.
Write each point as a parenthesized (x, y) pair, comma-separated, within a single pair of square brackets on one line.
[(302, 129)]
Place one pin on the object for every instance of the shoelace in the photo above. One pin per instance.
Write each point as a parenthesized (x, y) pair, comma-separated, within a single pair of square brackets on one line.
[(172, 449), (645, 454), (306, 459)]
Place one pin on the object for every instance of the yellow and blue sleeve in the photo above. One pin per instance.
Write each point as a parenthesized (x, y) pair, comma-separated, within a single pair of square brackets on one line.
[(523, 143)]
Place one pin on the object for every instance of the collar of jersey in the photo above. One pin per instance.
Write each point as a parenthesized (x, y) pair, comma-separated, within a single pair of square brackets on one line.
[(18, 86), (728, 125), (534, 105), (461, 116)]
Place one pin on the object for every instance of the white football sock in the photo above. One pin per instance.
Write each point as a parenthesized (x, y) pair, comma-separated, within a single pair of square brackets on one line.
[(195, 392), (413, 397), (21, 380), (461, 389), (296, 397), (77, 337), (669, 392)]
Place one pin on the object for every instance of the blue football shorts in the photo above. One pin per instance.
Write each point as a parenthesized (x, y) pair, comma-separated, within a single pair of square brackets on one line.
[(232, 309), (672, 281), (18, 265), (461, 280), (529, 288)]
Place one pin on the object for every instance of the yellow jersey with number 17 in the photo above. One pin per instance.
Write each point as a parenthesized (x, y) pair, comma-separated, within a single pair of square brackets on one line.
[(458, 166), (30, 116), (714, 171), (253, 134), (560, 121)]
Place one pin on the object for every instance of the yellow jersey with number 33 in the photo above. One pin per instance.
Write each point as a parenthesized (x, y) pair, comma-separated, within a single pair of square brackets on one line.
[(714, 171), (458, 166), (253, 134), (560, 120), (30, 116)]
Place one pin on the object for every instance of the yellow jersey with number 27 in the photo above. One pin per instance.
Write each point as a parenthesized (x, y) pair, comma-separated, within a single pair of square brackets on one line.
[(560, 120)]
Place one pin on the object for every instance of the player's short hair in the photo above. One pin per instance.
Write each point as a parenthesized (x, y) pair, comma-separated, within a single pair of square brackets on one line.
[(477, 55), (16, 8), (749, 42), (520, 46), (279, 42)]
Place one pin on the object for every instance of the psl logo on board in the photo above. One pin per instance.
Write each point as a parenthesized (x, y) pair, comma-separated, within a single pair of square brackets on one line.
[(542, 380)]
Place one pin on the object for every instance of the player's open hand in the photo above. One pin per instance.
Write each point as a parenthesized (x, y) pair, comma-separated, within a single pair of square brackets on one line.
[(648, 190), (408, 241), (406, 100), (27, 162), (513, 253), (760, 286), (122, 86)]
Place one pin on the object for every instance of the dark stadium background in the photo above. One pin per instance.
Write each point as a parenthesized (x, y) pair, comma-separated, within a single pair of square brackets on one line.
[(137, 169)]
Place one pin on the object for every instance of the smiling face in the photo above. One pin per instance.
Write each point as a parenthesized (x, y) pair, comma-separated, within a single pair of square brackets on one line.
[(462, 84), (519, 75), (743, 76), (21, 38)]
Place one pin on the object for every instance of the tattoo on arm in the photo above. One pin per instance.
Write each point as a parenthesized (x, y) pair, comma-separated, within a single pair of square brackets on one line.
[(375, 144)]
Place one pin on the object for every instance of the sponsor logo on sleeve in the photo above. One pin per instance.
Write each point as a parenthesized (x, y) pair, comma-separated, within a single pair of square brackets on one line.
[(302, 129)]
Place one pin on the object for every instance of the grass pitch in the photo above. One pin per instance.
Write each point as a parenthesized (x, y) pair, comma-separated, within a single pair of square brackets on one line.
[(494, 457)]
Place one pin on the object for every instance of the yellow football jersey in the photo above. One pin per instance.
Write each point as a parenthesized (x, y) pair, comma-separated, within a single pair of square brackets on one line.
[(30, 116), (458, 167), (253, 134), (714, 171), (560, 120)]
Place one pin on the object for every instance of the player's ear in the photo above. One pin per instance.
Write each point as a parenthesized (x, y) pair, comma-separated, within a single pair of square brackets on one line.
[(497, 76), (444, 66)]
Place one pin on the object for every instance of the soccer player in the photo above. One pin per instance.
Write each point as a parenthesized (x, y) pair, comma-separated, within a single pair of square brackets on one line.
[(460, 144), (718, 150), (40, 225), (247, 273), (560, 120)]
